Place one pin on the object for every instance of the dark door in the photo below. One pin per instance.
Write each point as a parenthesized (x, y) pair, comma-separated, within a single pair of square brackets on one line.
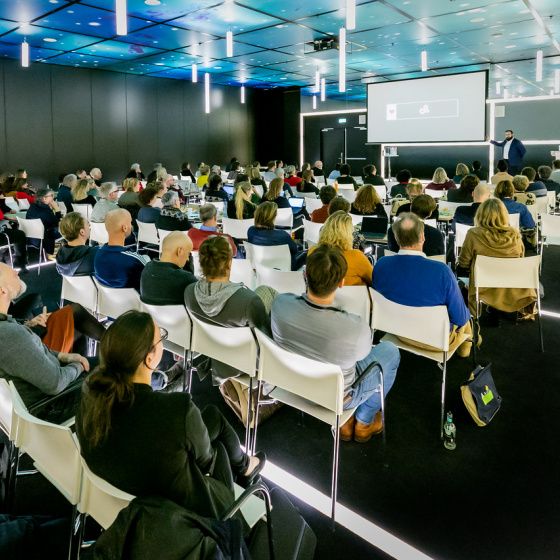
[(332, 147), (356, 138)]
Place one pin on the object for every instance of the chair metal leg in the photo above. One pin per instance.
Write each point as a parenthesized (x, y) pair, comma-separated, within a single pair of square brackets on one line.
[(334, 484), (248, 440), (13, 463), (540, 321), (254, 442), (382, 387), (443, 393), (75, 534), (40, 253)]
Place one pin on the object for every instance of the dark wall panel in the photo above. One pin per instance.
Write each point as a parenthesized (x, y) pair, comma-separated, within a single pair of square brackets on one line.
[(29, 121), (109, 126), (142, 119), (72, 129), (170, 115), (196, 125), (3, 139), (530, 120)]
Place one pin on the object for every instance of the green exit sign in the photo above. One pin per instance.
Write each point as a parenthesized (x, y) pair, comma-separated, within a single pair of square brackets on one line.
[(341, 121)]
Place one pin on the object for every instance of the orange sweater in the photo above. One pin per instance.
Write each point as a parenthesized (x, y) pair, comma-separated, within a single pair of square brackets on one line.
[(360, 270)]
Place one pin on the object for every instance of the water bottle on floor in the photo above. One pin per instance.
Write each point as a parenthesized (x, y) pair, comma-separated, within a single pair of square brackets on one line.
[(449, 432)]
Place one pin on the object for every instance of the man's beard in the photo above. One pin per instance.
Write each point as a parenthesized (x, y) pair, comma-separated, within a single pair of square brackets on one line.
[(21, 291)]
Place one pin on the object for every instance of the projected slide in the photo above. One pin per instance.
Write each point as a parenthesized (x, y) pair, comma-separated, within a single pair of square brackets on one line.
[(440, 109)]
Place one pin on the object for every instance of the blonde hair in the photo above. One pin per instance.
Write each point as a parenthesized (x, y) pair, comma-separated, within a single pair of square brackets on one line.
[(520, 183), (161, 174), (242, 194), (265, 215), (414, 188), (204, 170), (492, 215), (253, 172), (274, 189), (81, 188), (366, 199), (130, 184), (440, 176), (337, 231), (462, 169)]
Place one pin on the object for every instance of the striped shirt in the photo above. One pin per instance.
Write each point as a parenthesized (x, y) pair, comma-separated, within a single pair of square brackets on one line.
[(119, 267)]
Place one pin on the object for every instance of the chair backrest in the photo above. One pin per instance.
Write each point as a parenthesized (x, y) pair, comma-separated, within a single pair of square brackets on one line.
[(432, 222), (305, 195), (354, 299), (349, 195), (284, 218), (281, 280), (460, 234), (320, 179), (33, 229), (235, 346), (242, 271), (311, 231), (23, 203), (98, 232), (492, 272), (277, 256), (101, 500), (260, 190), (62, 207), (514, 220), (6, 407), (84, 210), (11, 203), (312, 204), (551, 199), (174, 319), (51, 447), (434, 193), (318, 382), (550, 226), (358, 180), (80, 289), (237, 228), (147, 233), (356, 219), (427, 325), (196, 263), (331, 182), (381, 191), (113, 302)]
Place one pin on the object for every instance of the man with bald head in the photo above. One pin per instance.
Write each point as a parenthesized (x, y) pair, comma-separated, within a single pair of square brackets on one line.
[(465, 214), (164, 280), (410, 278), (115, 265)]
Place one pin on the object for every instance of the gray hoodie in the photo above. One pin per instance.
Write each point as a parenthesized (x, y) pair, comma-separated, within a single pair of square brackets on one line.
[(212, 296)]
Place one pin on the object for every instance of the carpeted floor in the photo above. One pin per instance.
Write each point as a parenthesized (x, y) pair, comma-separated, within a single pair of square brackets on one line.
[(495, 497)]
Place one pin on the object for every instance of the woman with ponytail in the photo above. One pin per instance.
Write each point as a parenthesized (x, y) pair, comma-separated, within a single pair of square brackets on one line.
[(150, 443), (241, 207)]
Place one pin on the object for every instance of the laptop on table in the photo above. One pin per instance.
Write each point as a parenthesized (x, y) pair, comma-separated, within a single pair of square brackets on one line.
[(374, 228)]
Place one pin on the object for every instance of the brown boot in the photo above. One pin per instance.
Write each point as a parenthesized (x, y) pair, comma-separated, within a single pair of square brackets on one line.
[(363, 432), (347, 430)]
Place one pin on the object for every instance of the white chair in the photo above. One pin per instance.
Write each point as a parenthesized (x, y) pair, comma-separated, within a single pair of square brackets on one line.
[(358, 180), (438, 258), (551, 200), (492, 272), (79, 289), (11, 203), (434, 194), (147, 233), (237, 228), (432, 223), (196, 263), (34, 229), (234, 346), (23, 204), (349, 195), (277, 256), (280, 280), (113, 302), (426, 325), (321, 180), (345, 187), (460, 234), (312, 204), (355, 300), (52, 449), (284, 218), (311, 232), (541, 205), (306, 195), (62, 207), (260, 190), (550, 230), (242, 271), (313, 387), (381, 191), (356, 219), (514, 220), (84, 210), (162, 234), (331, 182), (98, 233)]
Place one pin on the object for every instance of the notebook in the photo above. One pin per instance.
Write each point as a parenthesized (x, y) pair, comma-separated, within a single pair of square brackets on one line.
[(296, 203), (375, 227), (228, 190)]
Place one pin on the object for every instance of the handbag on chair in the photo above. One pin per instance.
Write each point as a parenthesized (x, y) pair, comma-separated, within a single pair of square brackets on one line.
[(481, 396)]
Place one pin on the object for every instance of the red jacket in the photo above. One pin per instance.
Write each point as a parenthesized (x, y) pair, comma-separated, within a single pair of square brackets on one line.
[(199, 235)]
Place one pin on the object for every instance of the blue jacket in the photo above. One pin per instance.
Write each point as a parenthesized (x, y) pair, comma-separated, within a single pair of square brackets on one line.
[(525, 218), (117, 267), (465, 215), (538, 188), (419, 282), (516, 151), (65, 195)]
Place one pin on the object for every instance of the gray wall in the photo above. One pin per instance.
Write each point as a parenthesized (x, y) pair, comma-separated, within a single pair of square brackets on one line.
[(56, 119)]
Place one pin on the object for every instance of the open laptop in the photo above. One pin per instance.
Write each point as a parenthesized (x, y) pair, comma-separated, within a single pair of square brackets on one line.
[(228, 190), (296, 203), (375, 227)]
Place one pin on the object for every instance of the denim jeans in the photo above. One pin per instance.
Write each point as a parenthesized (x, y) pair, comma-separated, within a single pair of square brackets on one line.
[(366, 396)]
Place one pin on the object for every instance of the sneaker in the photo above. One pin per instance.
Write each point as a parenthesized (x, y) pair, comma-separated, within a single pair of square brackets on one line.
[(176, 370)]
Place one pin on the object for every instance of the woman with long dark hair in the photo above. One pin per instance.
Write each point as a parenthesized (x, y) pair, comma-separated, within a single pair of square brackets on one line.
[(151, 443)]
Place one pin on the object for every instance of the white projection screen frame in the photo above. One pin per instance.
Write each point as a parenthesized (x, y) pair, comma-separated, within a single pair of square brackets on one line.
[(437, 109)]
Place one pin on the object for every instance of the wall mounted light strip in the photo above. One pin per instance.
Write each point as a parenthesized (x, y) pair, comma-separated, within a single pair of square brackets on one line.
[(539, 66), (229, 44), (556, 81), (194, 74), (314, 102), (120, 9), (207, 92), (25, 54), (323, 89), (242, 94), (424, 61), (342, 60), (350, 14)]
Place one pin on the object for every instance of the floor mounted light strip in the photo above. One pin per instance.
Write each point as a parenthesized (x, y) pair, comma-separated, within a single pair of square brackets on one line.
[(361, 527), (120, 8), (550, 314), (25, 54), (342, 60), (207, 92)]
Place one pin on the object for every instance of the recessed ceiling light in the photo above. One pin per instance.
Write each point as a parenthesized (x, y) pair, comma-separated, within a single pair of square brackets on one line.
[(53, 1), (476, 20), (152, 2), (510, 47), (94, 23), (217, 67), (49, 40)]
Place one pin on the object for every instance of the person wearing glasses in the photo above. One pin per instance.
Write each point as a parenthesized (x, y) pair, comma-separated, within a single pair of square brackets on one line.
[(46, 209), (109, 193), (156, 444)]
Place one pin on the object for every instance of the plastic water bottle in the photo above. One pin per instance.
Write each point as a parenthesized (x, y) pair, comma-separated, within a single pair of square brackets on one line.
[(449, 432)]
